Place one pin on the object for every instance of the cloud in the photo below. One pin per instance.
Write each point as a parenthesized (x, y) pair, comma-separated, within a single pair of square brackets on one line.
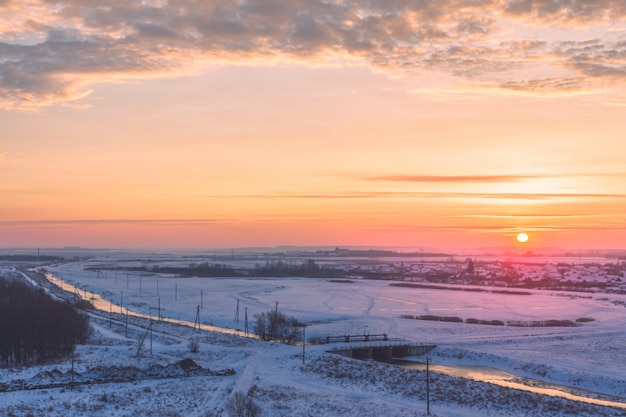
[(435, 195), (453, 178), (533, 216), (5, 154), (511, 230), (95, 222), (54, 52), (568, 12), (485, 178)]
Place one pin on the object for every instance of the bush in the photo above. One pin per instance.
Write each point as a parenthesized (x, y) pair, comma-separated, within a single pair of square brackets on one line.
[(275, 325), (449, 319), (240, 405), (486, 322), (452, 319), (585, 320), (194, 346), (428, 317)]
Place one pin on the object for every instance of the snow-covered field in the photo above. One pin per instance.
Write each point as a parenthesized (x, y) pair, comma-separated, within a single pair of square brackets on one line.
[(590, 357)]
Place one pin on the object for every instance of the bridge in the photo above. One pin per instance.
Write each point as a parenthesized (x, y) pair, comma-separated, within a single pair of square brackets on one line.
[(357, 338), (378, 347)]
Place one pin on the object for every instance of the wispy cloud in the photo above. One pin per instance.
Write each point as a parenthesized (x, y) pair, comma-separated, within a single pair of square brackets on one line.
[(54, 52), (433, 195), (453, 178), (92, 222), (475, 178), (6, 155), (532, 216), (510, 230)]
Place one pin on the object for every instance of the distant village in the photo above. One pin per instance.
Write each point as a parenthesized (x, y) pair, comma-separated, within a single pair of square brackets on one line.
[(586, 277)]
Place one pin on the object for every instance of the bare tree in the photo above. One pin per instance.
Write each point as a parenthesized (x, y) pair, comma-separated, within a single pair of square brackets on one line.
[(240, 405), (193, 345), (275, 325)]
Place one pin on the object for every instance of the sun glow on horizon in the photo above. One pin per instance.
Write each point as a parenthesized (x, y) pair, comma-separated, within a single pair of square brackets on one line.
[(160, 139)]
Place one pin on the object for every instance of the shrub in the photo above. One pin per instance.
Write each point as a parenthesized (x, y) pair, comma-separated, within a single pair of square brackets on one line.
[(429, 317), (194, 346), (240, 405), (275, 325), (452, 319), (585, 320)]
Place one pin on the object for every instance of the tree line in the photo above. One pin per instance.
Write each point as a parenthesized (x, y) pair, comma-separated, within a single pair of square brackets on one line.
[(30, 258), (34, 327), (305, 269)]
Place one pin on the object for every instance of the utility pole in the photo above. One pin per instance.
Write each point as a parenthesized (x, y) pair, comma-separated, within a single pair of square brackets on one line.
[(237, 312), (427, 386), (72, 383), (121, 302), (245, 326), (201, 302), (175, 292), (197, 322), (148, 330), (303, 340)]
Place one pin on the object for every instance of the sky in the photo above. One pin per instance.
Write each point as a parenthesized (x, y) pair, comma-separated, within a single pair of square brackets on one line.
[(218, 124)]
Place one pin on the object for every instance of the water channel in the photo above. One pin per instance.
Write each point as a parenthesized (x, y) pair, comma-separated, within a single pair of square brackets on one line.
[(505, 379), (476, 373), (107, 306)]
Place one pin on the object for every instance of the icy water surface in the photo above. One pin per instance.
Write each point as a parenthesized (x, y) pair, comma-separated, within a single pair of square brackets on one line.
[(504, 379)]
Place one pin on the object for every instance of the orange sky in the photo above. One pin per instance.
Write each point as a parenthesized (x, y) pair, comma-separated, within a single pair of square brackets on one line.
[(261, 123)]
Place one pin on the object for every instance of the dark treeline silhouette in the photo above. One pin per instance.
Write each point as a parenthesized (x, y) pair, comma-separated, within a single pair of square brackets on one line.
[(29, 258), (203, 269), (278, 268), (305, 269), (34, 328), (379, 253)]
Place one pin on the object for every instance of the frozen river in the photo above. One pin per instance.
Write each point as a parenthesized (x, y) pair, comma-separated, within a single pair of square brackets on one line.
[(380, 304)]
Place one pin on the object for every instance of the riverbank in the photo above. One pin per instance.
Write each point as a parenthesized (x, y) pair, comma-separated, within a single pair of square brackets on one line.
[(578, 355)]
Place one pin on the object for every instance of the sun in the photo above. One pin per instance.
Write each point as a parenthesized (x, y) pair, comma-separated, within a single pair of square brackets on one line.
[(522, 237)]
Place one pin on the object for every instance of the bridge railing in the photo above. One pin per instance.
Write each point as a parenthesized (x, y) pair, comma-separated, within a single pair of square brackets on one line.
[(357, 338)]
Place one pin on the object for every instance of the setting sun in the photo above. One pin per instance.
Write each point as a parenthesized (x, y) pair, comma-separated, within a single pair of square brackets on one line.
[(283, 132), (522, 237)]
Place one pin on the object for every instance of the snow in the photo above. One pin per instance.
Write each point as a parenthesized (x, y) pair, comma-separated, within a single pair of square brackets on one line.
[(590, 357)]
